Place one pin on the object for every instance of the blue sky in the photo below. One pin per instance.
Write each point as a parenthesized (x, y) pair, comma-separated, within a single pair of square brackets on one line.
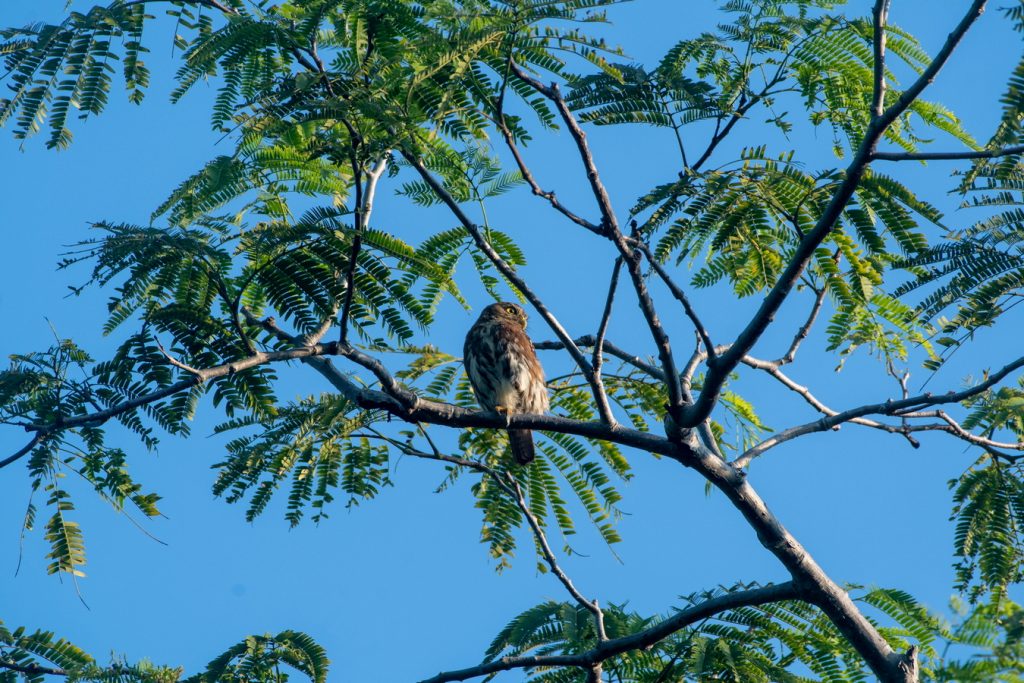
[(400, 585)]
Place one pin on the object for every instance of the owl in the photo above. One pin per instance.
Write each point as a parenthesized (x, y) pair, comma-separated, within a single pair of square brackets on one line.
[(503, 368)]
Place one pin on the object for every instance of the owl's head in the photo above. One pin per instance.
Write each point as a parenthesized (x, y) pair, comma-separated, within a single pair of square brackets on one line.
[(505, 312)]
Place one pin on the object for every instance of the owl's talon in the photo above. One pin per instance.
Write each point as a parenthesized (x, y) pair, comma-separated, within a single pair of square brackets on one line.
[(504, 412)]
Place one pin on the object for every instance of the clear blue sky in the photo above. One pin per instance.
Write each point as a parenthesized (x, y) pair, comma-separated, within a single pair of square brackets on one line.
[(400, 588)]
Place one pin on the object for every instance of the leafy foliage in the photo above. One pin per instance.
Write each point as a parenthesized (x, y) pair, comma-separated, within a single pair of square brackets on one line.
[(316, 443), (259, 658), (43, 386), (33, 656), (767, 642), (54, 68)]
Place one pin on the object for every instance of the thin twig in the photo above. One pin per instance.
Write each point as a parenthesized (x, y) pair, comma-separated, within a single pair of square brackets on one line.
[(524, 170), (890, 407), (956, 429), (512, 488), (214, 4), (203, 375), (805, 329), (597, 359), (947, 156), (589, 341), (177, 363), (549, 556)]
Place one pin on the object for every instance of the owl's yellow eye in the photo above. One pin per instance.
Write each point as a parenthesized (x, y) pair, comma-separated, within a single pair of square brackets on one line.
[(510, 309)]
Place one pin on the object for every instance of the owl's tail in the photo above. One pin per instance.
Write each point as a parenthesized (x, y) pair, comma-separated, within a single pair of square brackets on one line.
[(521, 441)]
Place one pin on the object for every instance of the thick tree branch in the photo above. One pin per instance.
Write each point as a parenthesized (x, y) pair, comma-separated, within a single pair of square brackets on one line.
[(719, 371), (409, 407), (815, 584), (637, 641)]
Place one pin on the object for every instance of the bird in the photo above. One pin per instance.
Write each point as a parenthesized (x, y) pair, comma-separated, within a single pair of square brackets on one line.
[(504, 371)]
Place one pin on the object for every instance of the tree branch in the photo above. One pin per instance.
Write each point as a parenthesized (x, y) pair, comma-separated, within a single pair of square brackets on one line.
[(890, 407), (681, 297), (532, 182), (956, 429), (214, 4), (589, 605), (22, 452), (590, 341), (637, 641), (510, 486), (597, 359), (815, 584), (947, 156), (881, 16), (805, 329), (364, 207), (197, 376), (409, 407)]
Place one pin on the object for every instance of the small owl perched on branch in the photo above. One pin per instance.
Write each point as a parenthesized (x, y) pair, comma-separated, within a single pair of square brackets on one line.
[(503, 368)]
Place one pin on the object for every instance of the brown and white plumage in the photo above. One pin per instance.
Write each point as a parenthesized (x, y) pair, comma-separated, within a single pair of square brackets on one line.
[(503, 368)]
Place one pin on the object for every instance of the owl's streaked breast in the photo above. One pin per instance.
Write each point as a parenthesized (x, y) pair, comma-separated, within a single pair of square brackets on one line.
[(503, 368)]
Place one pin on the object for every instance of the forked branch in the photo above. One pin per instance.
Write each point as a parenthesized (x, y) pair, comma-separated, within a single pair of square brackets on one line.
[(600, 398), (719, 371), (610, 228), (898, 408)]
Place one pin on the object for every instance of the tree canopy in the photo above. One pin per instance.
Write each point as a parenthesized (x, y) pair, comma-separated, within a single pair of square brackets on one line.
[(269, 261)]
